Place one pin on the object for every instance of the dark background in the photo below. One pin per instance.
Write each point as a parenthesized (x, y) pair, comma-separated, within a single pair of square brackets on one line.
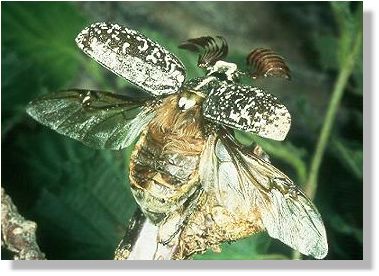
[(80, 197)]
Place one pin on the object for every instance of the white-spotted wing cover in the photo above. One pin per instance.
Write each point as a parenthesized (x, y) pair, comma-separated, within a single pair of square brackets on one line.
[(133, 56), (247, 108)]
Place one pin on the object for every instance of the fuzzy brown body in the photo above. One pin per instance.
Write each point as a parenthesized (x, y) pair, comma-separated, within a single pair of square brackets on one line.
[(164, 173), (164, 163)]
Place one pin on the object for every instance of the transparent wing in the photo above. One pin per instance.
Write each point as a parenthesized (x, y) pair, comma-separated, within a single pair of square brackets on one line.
[(242, 182), (98, 119), (211, 49), (134, 57), (247, 108)]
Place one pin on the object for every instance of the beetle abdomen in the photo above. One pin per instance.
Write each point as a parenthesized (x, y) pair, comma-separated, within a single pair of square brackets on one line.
[(164, 163)]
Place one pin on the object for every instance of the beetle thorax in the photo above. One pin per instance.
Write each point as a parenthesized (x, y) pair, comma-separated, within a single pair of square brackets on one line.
[(224, 70)]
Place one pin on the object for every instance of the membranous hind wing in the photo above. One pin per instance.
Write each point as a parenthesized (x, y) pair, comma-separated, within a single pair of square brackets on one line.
[(247, 185), (134, 57), (98, 119), (210, 49), (247, 108)]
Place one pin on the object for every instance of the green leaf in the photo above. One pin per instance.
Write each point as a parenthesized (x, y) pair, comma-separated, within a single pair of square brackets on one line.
[(38, 53), (349, 24), (18, 79), (252, 248), (334, 49), (326, 45), (351, 156), (44, 33), (342, 226), (85, 201)]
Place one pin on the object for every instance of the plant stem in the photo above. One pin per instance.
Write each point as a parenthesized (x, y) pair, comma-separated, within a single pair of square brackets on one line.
[(346, 69), (339, 87)]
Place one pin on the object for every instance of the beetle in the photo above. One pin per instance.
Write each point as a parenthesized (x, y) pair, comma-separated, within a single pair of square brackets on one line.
[(189, 175)]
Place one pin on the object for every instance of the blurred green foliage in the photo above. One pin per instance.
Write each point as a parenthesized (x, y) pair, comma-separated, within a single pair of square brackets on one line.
[(80, 197), (36, 42)]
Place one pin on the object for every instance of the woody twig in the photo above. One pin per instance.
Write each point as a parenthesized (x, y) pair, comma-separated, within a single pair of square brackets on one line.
[(18, 235)]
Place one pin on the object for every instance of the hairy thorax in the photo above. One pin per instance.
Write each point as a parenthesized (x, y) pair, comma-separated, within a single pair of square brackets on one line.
[(164, 163)]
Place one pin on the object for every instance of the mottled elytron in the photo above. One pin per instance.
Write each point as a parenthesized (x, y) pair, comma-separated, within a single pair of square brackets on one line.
[(189, 175)]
